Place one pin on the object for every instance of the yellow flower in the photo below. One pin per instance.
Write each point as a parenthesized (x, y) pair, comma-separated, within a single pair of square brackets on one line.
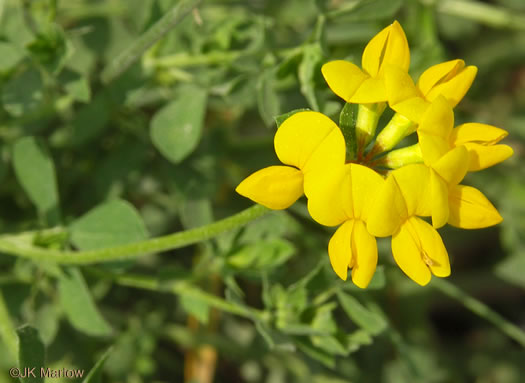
[(308, 142), (450, 80), (354, 85), (416, 246), (343, 197)]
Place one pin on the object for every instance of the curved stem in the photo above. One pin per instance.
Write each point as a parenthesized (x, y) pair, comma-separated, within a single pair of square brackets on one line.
[(14, 245), (481, 309)]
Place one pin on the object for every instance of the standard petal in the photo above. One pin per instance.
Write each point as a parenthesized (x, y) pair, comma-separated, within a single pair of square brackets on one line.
[(330, 153), (474, 132), (437, 74), (276, 187), (439, 200), (413, 182), (365, 184), (482, 156), (387, 211), (364, 250), (413, 108), (372, 90), (453, 166), (454, 89), (470, 209), (399, 85), (343, 78), (301, 135), (340, 249), (434, 130), (326, 204), (407, 254)]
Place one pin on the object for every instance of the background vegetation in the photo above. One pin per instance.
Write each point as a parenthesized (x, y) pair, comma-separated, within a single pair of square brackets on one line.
[(106, 141)]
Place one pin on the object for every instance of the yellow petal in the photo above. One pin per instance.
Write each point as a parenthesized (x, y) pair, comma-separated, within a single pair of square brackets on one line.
[(329, 154), (399, 85), (453, 166), (343, 78), (302, 134), (482, 156), (389, 46), (365, 184), (437, 73), (416, 248), (470, 209), (276, 187), (407, 254), (387, 211), (397, 51), (364, 250), (439, 200), (413, 108), (454, 89), (434, 130), (326, 204), (474, 132), (371, 90), (413, 182), (340, 249)]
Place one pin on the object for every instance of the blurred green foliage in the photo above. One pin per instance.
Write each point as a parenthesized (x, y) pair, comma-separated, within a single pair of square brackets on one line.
[(95, 154)]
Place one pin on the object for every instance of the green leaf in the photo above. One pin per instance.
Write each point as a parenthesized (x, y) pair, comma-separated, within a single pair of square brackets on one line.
[(324, 322), (47, 322), (50, 48), (309, 70), (94, 375), (76, 85), (262, 255), (110, 224), (267, 97), (176, 128), (368, 320), (31, 353), (315, 353), (347, 123), (283, 117), (274, 339), (79, 306), (196, 307), (91, 119), (35, 171), (10, 55), (22, 93)]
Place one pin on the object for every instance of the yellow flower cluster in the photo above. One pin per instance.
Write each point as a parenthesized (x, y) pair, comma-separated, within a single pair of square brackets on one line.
[(382, 192)]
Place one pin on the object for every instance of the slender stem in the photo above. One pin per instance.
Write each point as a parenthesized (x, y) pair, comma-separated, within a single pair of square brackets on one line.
[(480, 309), (12, 244), (166, 23), (483, 13), (7, 330), (180, 288)]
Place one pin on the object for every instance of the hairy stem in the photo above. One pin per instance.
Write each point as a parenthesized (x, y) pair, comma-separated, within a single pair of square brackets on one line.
[(19, 246)]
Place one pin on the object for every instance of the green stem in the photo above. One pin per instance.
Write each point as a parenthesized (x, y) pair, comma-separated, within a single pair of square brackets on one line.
[(124, 60), (7, 330), (480, 309), (483, 13), (12, 244), (189, 60), (181, 288)]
